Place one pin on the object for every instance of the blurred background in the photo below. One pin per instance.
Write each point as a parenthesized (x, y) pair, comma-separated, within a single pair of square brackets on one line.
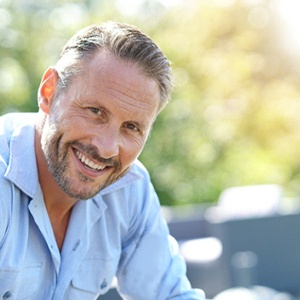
[(234, 117), (233, 122)]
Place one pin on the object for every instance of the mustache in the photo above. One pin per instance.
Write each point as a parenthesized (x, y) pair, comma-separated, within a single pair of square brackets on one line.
[(93, 152)]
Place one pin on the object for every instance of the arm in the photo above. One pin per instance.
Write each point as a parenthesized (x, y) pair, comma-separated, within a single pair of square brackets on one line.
[(151, 266)]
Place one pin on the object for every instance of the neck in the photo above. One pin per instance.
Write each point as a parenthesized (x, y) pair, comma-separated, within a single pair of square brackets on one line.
[(58, 204)]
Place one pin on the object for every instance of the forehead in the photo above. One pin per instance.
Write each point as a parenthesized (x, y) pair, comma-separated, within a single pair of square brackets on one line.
[(105, 76)]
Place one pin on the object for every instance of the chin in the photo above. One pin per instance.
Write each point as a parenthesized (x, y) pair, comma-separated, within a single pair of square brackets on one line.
[(82, 194)]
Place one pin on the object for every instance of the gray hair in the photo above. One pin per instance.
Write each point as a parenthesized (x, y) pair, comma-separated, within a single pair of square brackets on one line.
[(125, 42)]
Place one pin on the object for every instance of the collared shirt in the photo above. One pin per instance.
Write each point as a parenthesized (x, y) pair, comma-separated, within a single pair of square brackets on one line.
[(119, 232)]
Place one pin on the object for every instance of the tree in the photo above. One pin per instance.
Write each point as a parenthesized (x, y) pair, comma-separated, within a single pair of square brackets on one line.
[(233, 118)]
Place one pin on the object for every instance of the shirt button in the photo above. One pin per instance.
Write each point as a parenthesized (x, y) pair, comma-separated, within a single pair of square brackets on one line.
[(6, 295), (103, 284)]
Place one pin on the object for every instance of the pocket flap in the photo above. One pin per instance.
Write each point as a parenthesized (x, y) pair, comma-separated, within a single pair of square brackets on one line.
[(93, 276)]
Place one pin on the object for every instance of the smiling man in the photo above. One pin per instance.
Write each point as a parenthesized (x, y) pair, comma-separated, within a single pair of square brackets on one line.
[(76, 206)]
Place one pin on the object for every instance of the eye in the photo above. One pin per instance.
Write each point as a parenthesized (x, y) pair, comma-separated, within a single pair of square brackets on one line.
[(95, 110), (132, 127)]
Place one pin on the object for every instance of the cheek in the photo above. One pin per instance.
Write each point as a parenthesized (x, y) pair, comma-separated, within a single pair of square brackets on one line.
[(48, 134), (73, 127)]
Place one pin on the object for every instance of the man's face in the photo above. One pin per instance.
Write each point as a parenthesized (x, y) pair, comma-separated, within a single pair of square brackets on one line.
[(98, 126)]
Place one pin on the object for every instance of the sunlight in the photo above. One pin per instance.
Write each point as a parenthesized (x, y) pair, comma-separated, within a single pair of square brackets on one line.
[(170, 3), (132, 7), (288, 11)]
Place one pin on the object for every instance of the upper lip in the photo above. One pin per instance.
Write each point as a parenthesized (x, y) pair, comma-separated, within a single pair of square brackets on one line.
[(91, 164)]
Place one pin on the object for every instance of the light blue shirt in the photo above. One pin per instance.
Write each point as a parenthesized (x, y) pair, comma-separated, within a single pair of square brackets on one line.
[(119, 232)]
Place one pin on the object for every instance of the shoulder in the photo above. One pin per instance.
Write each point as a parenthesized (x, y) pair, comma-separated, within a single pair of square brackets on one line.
[(8, 125), (6, 132), (10, 121)]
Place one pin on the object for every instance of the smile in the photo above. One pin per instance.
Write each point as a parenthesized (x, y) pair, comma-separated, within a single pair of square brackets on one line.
[(88, 163)]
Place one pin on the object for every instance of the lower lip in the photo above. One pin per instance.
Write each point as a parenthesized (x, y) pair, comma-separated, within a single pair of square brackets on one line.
[(86, 170)]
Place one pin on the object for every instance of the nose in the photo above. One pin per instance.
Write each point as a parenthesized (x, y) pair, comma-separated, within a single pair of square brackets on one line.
[(107, 142)]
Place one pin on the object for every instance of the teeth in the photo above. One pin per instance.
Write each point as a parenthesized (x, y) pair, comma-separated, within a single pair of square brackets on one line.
[(88, 162)]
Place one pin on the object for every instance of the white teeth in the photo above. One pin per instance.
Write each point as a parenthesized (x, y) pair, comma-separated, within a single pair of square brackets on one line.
[(88, 162)]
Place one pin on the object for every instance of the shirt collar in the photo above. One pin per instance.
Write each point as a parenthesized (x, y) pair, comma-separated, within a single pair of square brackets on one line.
[(22, 169), (132, 175)]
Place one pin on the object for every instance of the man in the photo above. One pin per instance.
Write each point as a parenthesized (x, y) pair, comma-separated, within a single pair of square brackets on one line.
[(76, 206)]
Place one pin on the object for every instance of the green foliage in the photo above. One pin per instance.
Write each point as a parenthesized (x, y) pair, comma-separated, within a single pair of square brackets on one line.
[(233, 119)]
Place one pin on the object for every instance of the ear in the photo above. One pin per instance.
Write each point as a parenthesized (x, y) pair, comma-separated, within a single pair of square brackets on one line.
[(47, 89)]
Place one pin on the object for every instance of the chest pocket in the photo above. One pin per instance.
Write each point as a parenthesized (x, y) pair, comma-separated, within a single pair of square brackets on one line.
[(20, 284), (93, 278)]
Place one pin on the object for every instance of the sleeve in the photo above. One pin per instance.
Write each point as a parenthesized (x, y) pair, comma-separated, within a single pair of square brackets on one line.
[(150, 266)]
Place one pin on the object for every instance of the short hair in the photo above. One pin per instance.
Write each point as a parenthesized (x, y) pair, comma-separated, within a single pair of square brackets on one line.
[(125, 42)]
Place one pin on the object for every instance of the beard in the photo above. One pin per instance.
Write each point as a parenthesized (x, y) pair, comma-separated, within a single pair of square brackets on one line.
[(57, 157)]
